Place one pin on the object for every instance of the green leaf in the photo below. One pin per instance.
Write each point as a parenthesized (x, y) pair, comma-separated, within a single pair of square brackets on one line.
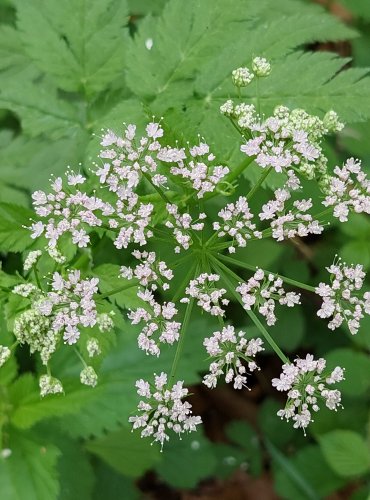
[(109, 279), (304, 476), (110, 485), (82, 43), (357, 369), (346, 452), (125, 451), (188, 461), (29, 408), (40, 110), (30, 471), (13, 236), (246, 437)]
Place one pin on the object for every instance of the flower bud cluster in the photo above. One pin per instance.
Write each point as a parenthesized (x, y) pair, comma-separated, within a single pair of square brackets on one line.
[(34, 329), (162, 410), (88, 376), (150, 272), (289, 224), (207, 294), (237, 223), (4, 354), (342, 301), (202, 176), (261, 67), (230, 349), (158, 320), (182, 226), (241, 77), (306, 384), (348, 190), (31, 259), (49, 385), (262, 291)]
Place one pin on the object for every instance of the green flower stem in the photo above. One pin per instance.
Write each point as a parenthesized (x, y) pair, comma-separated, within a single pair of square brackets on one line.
[(265, 173), (224, 272), (186, 280), (80, 357), (243, 265), (37, 277), (119, 289), (180, 344)]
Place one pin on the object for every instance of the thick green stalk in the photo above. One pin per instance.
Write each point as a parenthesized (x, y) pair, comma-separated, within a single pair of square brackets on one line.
[(249, 267)]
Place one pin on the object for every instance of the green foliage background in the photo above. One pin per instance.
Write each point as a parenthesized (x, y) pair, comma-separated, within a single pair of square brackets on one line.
[(69, 68)]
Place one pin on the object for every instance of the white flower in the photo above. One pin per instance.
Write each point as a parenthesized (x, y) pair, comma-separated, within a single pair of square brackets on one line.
[(229, 350), (209, 297), (304, 381), (163, 412), (263, 291), (342, 301), (237, 223), (31, 259)]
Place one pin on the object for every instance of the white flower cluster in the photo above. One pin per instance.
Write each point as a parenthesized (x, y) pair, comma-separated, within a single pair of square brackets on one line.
[(93, 347), (237, 223), (348, 190), (306, 384), (4, 354), (288, 224), (341, 299), (158, 320), (263, 291), (183, 226), (202, 176), (207, 294), (150, 272), (230, 349), (68, 210), (25, 289), (163, 410)]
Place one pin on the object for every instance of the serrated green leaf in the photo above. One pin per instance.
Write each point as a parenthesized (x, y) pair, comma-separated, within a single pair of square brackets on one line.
[(82, 43), (30, 471), (13, 236), (346, 452), (40, 110), (125, 451)]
